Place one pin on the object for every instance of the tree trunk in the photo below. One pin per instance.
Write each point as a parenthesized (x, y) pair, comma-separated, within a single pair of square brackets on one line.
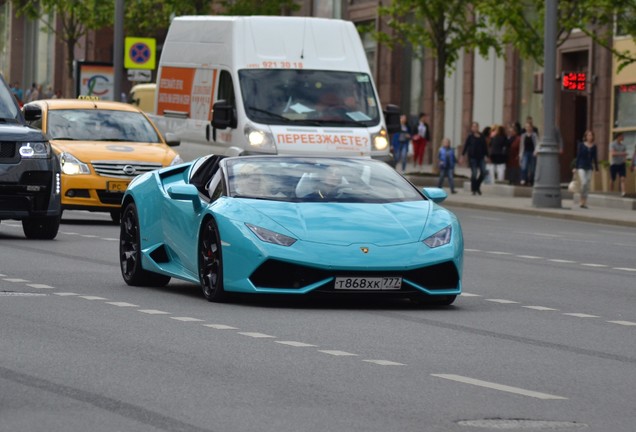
[(440, 106), (69, 90)]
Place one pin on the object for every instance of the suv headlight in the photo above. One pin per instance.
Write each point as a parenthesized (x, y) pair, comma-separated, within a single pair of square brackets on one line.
[(70, 165), (35, 150), (440, 238), (259, 140), (380, 140)]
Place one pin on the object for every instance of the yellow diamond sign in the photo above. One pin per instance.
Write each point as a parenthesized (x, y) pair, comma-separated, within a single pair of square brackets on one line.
[(140, 53)]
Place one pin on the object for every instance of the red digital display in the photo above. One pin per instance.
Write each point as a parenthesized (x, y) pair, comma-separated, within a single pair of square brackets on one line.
[(631, 88), (574, 81)]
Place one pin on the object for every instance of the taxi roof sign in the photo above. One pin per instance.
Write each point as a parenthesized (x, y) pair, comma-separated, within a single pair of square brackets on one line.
[(140, 53)]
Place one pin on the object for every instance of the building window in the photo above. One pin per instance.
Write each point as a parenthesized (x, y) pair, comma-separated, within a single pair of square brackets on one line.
[(625, 114), (327, 8), (368, 43)]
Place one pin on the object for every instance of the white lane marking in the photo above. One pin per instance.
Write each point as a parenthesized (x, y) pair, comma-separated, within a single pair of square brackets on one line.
[(16, 280), (187, 319), (498, 253), (540, 308), (337, 353), (122, 304), (528, 257), (624, 323), (92, 298), (542, 234), (465, 294), (109, 239), (500, 387), (256, 335), (625, 269), (220, 326), (295, 344), (384, 362), (502, 301), (2, 275), (593, 265), (471, 250), (581, 315), (563, 261), (89, 236), (65, 294), (70, 233), (40, 286), (485, 218), (153, 312)]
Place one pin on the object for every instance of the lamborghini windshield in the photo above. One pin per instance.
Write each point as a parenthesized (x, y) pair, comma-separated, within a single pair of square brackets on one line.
[(309, 97), (317, 180)]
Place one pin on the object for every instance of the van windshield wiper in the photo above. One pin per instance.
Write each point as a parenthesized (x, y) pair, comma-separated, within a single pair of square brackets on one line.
[(269, 113)]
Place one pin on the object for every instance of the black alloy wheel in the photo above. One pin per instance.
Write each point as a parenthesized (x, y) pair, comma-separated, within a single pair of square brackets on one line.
[(211, 263), (130, 253)]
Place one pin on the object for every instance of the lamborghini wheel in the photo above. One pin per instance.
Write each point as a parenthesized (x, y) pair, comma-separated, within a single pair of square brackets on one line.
[(428, 300), (210, 263), (130, 253)]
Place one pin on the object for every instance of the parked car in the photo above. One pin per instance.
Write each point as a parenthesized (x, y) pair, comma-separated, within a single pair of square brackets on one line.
[(29, 171), (101, 145), (290, 225)]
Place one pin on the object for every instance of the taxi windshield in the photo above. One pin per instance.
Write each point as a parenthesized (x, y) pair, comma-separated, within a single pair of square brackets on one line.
[(100, 125), (309, 97)]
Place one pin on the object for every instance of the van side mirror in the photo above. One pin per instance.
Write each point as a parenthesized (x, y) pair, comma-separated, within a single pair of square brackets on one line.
[(392, 119), (223, 115), (32, 112)]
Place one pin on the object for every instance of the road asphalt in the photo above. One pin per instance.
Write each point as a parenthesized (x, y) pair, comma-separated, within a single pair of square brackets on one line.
[(609, 209)]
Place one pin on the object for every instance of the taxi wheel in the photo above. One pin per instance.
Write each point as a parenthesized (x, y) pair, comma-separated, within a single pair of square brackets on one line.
[(41, 228), (211, 263), (115, 216), (130, 253)]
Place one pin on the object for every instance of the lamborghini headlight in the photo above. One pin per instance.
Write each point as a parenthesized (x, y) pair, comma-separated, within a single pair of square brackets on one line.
[(35, 150), (72, 166), (271, 236), (440, 238)]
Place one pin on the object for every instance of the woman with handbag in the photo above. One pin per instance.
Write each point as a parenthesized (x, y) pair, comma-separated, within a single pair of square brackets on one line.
[(586, 162)]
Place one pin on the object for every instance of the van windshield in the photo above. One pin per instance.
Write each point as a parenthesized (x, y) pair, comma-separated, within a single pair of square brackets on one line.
[(309, 97)]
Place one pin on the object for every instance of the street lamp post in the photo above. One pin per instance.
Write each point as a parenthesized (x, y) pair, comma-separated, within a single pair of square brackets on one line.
[(547, 181), (118, 49)]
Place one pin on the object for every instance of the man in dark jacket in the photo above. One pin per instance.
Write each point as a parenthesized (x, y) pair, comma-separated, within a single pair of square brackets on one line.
[(476, 150)]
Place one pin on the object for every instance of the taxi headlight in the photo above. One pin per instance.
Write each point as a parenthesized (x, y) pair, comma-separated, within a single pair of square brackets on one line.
[(70, 165), (259, 140), (440, 238), (271, 236), (176, 161), (35, 150), (380, 140)]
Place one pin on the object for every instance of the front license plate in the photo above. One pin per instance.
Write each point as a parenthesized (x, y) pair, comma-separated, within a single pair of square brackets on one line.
[(117, 186), (368, 283)]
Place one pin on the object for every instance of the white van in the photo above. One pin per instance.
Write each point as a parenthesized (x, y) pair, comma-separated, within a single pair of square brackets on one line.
[(262, 84)]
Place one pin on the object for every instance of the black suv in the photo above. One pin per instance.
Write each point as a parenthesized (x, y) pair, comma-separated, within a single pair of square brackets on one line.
[(29, 171)]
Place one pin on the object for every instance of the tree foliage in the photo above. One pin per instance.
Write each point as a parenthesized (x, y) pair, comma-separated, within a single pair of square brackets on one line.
[(257, 7), (148, 18)]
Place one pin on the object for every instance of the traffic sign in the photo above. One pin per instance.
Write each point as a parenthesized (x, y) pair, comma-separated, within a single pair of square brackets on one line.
[(140, 53), (139, 75)]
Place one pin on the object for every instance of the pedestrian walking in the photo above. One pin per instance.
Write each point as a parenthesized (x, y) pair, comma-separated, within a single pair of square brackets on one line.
[(528, 145), (446, 161), (499, 152), (421, 137), (618, 163), (476, 150), (400, 143), (586, 162), (513, 167)]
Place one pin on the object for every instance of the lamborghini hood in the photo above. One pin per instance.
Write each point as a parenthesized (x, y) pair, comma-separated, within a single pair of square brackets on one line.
[(345, 224)]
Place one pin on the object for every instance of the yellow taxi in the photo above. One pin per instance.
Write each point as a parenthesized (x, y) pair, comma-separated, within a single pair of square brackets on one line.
[(102, 146)]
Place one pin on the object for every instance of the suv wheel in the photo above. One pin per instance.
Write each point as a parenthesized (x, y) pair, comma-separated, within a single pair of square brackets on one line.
[(41, 228)]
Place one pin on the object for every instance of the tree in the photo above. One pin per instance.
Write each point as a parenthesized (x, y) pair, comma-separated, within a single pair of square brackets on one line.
[(75, 18), (446, 27), (258, 7), (151, 18)]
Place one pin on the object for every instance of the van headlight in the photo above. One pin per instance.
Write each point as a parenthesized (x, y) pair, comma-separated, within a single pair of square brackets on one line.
[(35, 150), (259, 140), (380, 140), (70, 165)]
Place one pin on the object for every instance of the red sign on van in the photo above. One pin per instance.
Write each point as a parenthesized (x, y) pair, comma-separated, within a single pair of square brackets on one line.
[(174, 90)]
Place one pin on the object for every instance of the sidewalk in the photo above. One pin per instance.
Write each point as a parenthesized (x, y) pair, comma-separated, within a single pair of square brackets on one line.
[(603, 208)]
